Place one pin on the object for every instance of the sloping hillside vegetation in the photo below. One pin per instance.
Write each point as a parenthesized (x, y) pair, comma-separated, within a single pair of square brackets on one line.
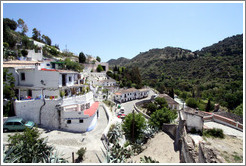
[(214, 72), (120, 61)]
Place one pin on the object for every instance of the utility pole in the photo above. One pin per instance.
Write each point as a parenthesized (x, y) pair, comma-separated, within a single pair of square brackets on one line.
[(133, 125)]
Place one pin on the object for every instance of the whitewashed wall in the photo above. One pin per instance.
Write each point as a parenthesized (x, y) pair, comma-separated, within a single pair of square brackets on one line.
[(35, 56), (29, 77), (193, 121), (50, 79), (29, 110), (34, 77), (75, 116)]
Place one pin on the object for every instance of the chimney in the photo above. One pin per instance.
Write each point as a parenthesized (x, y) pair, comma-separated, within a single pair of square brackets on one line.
[(37, 66)]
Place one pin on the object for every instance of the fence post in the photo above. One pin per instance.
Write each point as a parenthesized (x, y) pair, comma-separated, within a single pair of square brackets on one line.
[(73, 157)]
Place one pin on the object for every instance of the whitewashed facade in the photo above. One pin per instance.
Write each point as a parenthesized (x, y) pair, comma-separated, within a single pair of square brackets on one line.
[(77, 114), (108, 82), (130, 94)]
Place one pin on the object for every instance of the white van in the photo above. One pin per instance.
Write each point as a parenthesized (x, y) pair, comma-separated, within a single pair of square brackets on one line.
[(122, 110)]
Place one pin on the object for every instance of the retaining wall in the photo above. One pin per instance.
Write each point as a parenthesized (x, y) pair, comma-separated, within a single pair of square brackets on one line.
[(170, 129), (223, 120)]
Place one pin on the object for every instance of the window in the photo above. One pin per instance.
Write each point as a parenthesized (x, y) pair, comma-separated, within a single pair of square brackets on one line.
[(81, 121), (87, 105), (70, 78), (68, 121), (9, 123), (17, 123), (82, 108), (23, 77)]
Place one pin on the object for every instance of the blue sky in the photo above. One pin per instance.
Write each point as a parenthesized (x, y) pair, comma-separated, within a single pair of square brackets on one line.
[(113, 30)]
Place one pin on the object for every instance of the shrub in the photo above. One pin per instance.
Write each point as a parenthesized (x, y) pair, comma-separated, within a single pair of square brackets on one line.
[(160, 102), (81, 153), (24, 53), (99, 68), (27, 147), (151, 107), (164, 115), (191, 102), (218, 133)]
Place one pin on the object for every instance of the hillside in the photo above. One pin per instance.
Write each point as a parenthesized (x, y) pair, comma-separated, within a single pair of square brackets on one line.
[(214, 72), (120, 61)]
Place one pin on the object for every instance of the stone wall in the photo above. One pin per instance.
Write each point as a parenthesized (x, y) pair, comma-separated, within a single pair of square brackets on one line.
[(208, 154), (139, 111), (170, 129)]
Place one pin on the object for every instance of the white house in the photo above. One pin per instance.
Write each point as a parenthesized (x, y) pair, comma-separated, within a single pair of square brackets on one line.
[(36, 54), (77, 114), (130, 94), (39, 100), (108, 82)]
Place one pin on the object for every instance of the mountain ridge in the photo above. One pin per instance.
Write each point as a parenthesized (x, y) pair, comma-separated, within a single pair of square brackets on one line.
[(169, 52)]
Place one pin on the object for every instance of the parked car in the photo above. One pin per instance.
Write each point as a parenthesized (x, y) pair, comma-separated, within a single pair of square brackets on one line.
[(15, 123), (121, 116), (122, 110)]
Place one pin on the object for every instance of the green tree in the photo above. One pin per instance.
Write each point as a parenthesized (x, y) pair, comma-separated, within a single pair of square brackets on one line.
[(36, 35), (26, 43), (70, 65), (98, 59), (109, 73), (9, 35), (82, 57), (134, 126), (28, 147), (238, 110), (171, 93), (208, 106), (8, 84), (191, 102), (161, 102), (99, 68), (8, 23), (161, 116), (151, 107), (22, 25), (46, 40)]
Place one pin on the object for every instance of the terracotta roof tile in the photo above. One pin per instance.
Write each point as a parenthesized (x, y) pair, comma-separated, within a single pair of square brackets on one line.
[(92, 110)]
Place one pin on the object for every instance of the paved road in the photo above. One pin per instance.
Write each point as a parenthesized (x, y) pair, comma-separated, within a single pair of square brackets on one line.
[(68, 142), (128, 106)]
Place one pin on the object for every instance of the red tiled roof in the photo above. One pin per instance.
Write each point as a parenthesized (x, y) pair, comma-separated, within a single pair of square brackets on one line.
[(91, 111), (44, 69)]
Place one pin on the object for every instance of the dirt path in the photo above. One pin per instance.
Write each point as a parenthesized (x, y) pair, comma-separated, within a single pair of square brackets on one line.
[(160, 148)]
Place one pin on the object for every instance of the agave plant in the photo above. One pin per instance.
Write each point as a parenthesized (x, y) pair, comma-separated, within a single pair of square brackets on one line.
[(54, 158), (8, 157), (115, 133), (146, 159)]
